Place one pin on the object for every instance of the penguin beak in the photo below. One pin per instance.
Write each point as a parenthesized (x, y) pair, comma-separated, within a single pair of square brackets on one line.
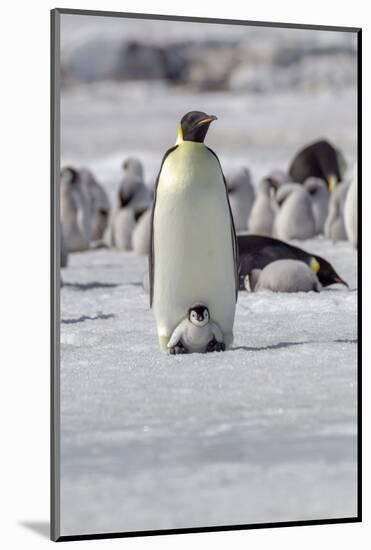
[(205, 120), (332, 181), (341, 281)]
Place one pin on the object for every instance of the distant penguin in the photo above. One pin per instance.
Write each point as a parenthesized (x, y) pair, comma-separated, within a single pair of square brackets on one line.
[(294, 218), (262, 213), (257, 251), (74, 211), (241, 196), (277, 178), (141, 238), (98, 203), (133, 191), (319, 159), (319, 195), (283, 276), (334, 228), (134, 198), (351, 210), (121, 229), (193, 238)]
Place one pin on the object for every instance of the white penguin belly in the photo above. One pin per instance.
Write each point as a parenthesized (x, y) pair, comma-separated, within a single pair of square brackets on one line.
[(193, 251)]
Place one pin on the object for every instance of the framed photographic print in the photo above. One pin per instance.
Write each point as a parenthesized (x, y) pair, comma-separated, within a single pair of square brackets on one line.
[(206, 271)]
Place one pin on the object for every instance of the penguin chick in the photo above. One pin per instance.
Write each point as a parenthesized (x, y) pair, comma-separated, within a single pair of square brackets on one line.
[(262, 213), (317, 189), (98, 203), (241, 196), (141, 238), (283, 276), (133, 200), (133, 192), (74, 211), (350, 211), (196, 334), (121, 229), (294, 219), (334, 225)]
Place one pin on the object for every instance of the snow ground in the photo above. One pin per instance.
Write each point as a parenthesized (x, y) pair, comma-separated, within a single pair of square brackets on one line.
[(265, 432)]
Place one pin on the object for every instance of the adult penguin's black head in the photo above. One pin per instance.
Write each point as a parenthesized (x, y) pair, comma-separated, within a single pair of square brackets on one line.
[(325, 272), (194, 126)]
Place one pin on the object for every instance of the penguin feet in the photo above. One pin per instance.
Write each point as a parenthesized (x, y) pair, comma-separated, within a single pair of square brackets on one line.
[(178, 349), (214, 345)]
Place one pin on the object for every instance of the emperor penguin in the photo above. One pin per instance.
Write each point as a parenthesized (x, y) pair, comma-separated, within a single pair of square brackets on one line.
[(283, 276), (319, 159), (350, 211), (241, 196), (193, 255), (319, 195), (262, 213), (295, 218), (257, 251), (334, 224)]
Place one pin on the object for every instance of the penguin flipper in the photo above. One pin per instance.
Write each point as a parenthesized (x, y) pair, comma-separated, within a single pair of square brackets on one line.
[(151, 256), (233, 230), (177, 334)]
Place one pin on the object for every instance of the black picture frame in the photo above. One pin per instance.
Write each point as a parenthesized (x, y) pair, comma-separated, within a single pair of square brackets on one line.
[(55, 276)]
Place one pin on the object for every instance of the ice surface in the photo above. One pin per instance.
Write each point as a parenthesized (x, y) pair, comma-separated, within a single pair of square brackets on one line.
[(265, 432)]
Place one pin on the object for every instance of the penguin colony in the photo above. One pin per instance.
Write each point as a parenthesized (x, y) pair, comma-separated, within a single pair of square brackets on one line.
[(208, 236)]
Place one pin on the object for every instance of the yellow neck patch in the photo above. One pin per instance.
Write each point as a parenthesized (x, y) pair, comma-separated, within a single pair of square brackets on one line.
[(332, 181), (314, 265), (179, 138)]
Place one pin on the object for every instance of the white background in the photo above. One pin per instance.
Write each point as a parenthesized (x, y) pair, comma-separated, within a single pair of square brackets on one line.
[(24, 268)]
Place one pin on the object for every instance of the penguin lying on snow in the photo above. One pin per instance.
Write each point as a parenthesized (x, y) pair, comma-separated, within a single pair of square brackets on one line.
[(193, 238), (257, 251), (283, 276), (319, 159), (241, 196), (197, 333)]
